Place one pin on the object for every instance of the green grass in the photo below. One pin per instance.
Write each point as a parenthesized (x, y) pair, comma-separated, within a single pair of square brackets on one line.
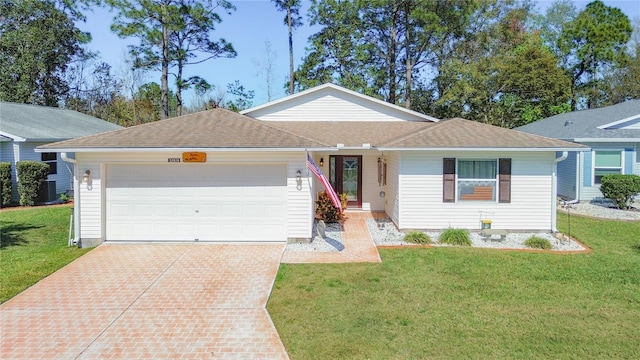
[(33, 244), (475, 303)]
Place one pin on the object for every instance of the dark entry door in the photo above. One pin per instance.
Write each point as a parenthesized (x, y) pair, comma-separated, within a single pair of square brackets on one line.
[(345, 175)]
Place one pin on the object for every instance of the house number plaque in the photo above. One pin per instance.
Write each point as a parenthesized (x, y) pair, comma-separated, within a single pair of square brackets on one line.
[(194, 157)]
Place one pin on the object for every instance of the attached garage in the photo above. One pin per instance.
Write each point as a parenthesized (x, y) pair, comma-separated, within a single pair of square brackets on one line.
[(196, 202)]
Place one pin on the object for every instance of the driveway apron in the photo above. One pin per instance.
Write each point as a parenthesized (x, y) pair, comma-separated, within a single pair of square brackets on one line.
[(149, 301)]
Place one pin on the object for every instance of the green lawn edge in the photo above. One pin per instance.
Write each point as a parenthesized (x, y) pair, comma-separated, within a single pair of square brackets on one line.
[(33, 245), (443, 303)]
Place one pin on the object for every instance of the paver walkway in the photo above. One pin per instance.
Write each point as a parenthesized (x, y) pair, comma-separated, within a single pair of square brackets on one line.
[(357, 241), (149, 301)]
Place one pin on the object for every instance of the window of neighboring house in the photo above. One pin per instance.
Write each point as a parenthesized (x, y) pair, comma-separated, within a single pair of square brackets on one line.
[(606, 162), (477, 179), (50, 159)]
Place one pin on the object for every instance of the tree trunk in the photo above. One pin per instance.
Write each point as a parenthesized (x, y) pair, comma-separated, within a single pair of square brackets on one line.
[(179, 88), (291, 74), (392, 57), (165, 65), (408, 64)]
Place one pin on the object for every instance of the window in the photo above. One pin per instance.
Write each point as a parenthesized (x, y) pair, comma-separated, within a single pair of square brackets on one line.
[(50, 159), (606, 162), (477, 179)]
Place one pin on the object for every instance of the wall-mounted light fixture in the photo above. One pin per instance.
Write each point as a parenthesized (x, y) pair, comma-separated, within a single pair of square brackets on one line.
[(299, 180), (321, 161), (86, 178)]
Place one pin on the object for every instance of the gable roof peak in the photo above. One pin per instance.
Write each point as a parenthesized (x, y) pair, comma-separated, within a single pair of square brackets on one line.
[(336, 89)]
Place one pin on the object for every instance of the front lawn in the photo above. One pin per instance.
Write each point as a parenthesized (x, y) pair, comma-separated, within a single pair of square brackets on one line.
[(468, 302), (33, 244)]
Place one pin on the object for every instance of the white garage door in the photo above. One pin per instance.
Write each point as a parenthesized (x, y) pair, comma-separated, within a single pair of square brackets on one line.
[(196, 202)]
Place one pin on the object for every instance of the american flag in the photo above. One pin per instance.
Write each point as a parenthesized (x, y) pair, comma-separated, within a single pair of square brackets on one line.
[(335, 199)]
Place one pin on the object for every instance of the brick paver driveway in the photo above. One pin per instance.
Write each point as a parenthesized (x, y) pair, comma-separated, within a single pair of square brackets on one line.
[(152, 301)]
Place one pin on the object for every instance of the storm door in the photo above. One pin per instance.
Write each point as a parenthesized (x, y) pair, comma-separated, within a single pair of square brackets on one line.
[(345, 175)]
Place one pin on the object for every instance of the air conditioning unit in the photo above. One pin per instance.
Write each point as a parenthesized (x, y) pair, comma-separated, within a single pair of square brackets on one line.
[(48, 191)]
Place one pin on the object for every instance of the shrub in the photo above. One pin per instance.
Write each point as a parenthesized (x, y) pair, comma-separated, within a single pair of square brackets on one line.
[(536, 242), (620, 189), (455, 237), (31, 175), (325, 210), (417, 237), (6, 186)]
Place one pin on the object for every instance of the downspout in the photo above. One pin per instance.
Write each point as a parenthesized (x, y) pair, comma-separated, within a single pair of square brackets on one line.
[(76, 197), (554, 190)]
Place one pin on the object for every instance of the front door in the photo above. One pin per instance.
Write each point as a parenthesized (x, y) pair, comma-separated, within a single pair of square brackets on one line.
[(345, 175)]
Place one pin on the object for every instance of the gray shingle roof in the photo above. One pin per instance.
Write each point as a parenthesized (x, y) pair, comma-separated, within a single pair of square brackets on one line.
[(217, 128), (461, 133), (584, 123), (221, 128), (41, 123)]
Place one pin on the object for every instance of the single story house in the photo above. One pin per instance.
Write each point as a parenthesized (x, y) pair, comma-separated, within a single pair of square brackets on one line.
[(222, 176), (612, 133), (24, 127)]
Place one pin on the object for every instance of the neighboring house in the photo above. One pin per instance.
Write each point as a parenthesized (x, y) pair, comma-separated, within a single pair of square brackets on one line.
[(612, 133), (223, 176), (24, 127)]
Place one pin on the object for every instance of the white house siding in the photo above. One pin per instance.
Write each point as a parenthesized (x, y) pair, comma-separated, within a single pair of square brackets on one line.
[(567, 176), (629, 160), (391, 206), (91, 200), (420, 189), (330, 105)]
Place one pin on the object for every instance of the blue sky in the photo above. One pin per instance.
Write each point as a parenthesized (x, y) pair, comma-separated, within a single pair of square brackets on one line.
[(248, 28)]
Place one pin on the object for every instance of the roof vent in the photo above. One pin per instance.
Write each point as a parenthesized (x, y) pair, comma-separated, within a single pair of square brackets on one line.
[(568, 122)]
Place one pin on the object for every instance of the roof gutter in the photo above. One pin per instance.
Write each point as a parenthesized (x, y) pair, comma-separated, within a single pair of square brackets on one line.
[(607, 140), (585, 148), (554, 189), (104, 150)]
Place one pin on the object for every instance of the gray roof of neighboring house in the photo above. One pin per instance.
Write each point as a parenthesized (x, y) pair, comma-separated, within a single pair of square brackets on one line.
[(584, 124), (24, 122), (219, 128)]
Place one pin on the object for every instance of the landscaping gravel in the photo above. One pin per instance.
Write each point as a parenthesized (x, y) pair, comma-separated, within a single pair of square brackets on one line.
[(331, 243), (384, 233), (602, 209)]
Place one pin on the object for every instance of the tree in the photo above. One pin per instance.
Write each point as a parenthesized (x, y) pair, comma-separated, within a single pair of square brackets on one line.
[(292, 20), (38, 41), (171, 32), (336, 52), (265, 67), (507, 78), (552, 25), (623, 82), (593, 42), (242, 97), (195, 21), (93, 90)]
